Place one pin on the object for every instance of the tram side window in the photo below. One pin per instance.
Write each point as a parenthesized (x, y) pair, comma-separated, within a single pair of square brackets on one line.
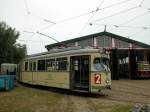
[(26, 66), (61, 63), (50, 64), (76, 65), (41, 64), (34, 66), (30, 66)]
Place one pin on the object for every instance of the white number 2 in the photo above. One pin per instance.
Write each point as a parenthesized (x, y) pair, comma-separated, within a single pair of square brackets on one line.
[(97, 79)]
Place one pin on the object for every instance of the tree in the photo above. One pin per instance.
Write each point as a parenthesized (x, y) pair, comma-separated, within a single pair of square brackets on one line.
[(10, 52)]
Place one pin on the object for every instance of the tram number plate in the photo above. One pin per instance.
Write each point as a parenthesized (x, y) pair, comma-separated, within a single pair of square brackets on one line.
[(97, 79)]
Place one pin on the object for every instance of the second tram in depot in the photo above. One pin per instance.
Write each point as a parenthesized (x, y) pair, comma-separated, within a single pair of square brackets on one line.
[(75, 69), (143, 69)]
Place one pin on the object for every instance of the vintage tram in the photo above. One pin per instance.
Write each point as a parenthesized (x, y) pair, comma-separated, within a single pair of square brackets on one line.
[(75, 69)]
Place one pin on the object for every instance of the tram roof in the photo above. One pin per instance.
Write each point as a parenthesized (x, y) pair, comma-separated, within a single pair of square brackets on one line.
[(63, 52)]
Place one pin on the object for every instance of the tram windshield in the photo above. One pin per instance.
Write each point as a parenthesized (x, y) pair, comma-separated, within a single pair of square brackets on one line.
[(101, 64)]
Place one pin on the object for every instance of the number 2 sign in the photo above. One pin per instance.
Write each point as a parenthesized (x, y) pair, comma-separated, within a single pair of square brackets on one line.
[(97, 78)]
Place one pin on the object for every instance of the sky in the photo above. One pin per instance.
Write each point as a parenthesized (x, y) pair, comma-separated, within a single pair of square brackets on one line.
[(68, 19)]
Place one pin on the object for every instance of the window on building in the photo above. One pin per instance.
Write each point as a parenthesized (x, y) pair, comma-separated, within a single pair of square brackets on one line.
[(34, 66), (50, 64), (26, 66), (61, 63), (41, 64)]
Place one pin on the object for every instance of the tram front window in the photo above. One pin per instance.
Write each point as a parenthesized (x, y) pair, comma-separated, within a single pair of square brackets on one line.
[(101, 64)]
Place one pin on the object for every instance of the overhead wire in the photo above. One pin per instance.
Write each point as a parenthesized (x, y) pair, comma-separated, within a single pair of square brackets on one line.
[(112, 5), (132, 19), (71, 18), (41, 18), (74, 17), (142, 1), (47, 36), (68, 19), (46, 20), (97, 9), (87, 13), (34, 15), (136, 17), (84, 14), (109, 6), (118, 13), (146, 8), (29, 32), (136, 33), (41, 41), (117, 26), (62, 44)]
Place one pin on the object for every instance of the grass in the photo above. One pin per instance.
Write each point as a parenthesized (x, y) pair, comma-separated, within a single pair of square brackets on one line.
[(110, 106), (122, 108), (114, 108), (24, 99)]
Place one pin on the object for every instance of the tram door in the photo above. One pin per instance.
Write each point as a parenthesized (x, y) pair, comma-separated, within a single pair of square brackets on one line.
[(79, 73)]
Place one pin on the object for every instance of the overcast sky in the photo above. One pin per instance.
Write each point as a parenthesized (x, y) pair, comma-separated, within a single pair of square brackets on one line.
[(67, 19)]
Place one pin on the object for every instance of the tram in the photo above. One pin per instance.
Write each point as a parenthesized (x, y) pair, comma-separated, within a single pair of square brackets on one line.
[(75, 69), (9, 68), (143, 69)]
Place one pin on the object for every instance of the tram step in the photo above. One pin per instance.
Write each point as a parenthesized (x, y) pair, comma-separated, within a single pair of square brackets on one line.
[(81, 86), (83, 91)]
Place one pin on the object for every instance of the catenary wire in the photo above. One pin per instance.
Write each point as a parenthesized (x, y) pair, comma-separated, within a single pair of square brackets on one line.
[(117, 26), (118, 13), (84, 14), (97, 9), (132, 19)]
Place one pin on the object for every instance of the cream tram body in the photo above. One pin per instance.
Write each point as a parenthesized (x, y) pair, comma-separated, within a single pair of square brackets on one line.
[(78, 69)]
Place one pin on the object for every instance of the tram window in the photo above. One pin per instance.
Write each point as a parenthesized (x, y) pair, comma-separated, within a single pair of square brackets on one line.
[(34, 66), (30, 66), (76, 65), (61, 63), (86, 62), (41, 64), (26, 66), (101, 64), (50, 64)]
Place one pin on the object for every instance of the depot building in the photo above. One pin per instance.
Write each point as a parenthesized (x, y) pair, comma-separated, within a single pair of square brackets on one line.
[(125, 53)]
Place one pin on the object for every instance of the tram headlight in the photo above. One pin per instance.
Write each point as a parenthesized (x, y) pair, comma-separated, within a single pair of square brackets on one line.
[(107, 81)]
